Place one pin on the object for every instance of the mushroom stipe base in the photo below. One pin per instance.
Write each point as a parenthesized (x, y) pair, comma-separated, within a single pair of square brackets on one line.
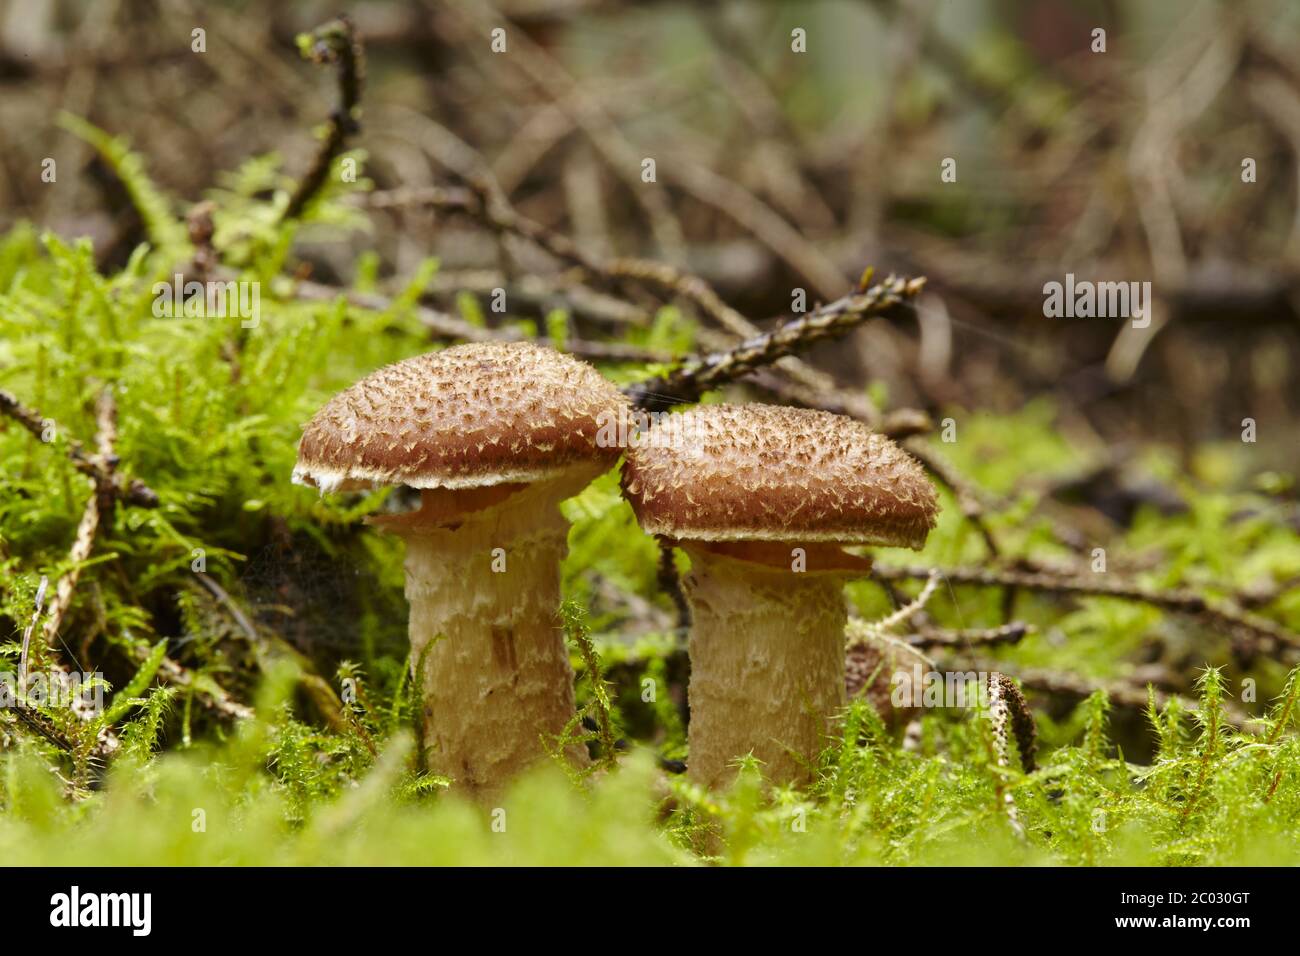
[(767, 666)]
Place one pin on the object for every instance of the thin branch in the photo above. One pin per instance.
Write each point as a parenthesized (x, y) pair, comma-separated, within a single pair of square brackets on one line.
[(1122, 693), (670, 583), (859, 632), (692, 379), (483, 201), (936, 637), (444, 325), (334, 42), (130, 490), (98, 507), (80, 553), (1180, 601)]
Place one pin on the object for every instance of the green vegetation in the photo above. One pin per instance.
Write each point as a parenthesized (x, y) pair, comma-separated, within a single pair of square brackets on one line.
[(209, 416)]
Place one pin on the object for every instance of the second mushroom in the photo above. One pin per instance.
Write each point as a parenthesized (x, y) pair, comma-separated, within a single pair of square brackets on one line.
[(762, 498)]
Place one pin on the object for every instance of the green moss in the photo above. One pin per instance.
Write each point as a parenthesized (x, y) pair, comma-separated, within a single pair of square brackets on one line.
[(209, 417)]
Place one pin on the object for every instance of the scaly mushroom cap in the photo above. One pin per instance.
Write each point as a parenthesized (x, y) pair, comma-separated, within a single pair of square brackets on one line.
[(464, 417), (770, 473)]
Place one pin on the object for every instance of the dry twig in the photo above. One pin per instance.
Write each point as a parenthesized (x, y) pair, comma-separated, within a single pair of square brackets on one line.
[(132, 491), (693, 378), (1262, 630), (334, 42)]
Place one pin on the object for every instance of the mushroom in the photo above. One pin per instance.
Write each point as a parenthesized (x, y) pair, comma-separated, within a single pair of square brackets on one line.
[(762, 498), (494, 436)]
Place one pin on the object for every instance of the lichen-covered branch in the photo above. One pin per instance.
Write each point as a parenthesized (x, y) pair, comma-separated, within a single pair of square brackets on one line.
[(687, 383)]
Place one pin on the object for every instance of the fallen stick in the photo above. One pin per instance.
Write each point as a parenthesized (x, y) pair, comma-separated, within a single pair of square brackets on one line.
[(131, 491), (689, 381), (1183, 602)]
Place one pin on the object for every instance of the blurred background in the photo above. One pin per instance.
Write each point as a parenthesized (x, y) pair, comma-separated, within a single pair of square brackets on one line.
[(775, 170)]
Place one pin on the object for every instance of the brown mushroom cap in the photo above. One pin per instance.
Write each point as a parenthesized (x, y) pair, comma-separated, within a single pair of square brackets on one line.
[(464, 417), (770, 473)]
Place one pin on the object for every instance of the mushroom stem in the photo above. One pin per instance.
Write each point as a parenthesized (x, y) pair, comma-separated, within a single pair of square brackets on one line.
[(487, 646), (767, 666)]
